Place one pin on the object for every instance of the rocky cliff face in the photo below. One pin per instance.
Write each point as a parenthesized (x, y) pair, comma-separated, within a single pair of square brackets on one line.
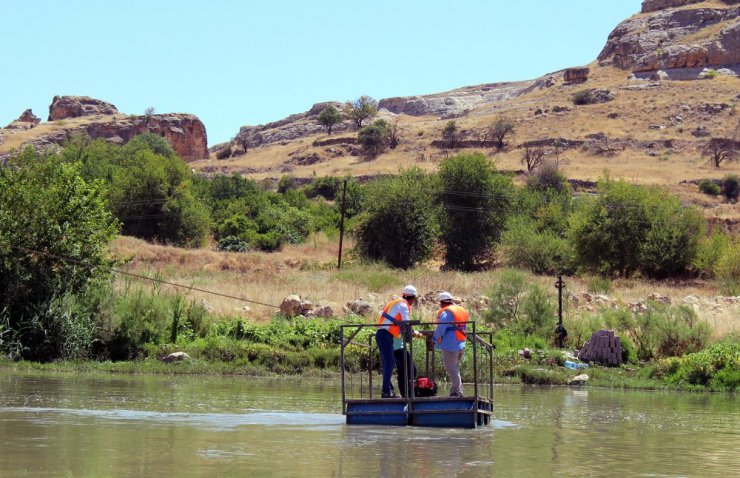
[(455, 102), (185, 132), (655, 5), (294, 126), (670, 38), (63, 107)]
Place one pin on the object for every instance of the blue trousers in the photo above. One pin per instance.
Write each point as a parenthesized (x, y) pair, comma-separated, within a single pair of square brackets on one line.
[(384, 339)]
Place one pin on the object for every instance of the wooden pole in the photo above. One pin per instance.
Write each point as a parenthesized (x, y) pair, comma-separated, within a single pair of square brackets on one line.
[(341, 225)]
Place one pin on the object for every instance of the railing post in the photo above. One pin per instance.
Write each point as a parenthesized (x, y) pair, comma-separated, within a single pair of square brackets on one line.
[(341, 361)]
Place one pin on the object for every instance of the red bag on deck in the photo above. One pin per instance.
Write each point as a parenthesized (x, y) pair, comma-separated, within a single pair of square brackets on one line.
[(425, 387)]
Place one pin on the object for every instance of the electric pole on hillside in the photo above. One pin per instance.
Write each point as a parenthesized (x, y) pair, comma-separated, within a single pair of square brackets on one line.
[(560, 330), (341, 225)]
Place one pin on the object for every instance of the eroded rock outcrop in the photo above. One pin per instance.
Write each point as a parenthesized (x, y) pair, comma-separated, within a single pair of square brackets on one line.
[(185, 132), (655, 5), (457, 101), (26, 120), (63, 107), (287, 129), (675, 38)]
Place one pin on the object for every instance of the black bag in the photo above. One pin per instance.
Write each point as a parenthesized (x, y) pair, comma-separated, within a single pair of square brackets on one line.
[(425, 387)]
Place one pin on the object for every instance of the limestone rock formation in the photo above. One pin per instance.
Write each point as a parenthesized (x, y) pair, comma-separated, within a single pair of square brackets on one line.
[(185, 132), (655, 5), (287, 129), (63, 107), (576, 75), (457, 101), (670, 38), (26, 120), (28, 117)]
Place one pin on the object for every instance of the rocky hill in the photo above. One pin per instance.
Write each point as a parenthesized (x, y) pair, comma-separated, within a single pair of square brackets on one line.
[(640, 122), (69, 115)]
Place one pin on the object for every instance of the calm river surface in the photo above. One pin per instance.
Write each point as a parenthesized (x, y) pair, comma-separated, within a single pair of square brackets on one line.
[(62, 425)]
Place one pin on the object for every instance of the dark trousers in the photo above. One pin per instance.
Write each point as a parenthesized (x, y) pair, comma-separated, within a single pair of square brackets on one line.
[(402, 371), (384, 339)]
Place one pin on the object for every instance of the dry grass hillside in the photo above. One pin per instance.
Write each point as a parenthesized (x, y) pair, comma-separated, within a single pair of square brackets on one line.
[(309, 270), (644, 135)]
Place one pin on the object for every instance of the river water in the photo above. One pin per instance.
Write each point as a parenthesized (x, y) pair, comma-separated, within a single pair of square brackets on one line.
[(79, 426)]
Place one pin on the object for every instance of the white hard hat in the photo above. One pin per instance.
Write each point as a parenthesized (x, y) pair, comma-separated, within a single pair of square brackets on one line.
[(445, 296), (409, 290)]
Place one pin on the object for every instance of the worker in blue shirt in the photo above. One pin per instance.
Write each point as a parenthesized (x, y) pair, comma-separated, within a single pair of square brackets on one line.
[(449, 337)]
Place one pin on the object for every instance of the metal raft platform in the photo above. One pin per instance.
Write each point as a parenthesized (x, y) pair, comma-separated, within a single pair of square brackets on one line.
[(438, 411)]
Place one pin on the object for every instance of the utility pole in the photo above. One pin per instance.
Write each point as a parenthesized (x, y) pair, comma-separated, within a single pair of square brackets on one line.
[(560, 330), (341, 225)]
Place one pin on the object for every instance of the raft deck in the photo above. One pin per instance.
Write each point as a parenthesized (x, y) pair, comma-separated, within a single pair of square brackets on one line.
[(437, 411), (450, 412)]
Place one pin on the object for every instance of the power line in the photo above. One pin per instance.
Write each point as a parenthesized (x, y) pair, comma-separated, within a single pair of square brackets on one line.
[(138, 276)]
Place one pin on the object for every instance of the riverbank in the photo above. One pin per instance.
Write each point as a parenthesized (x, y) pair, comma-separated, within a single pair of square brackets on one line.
[(720, 365)]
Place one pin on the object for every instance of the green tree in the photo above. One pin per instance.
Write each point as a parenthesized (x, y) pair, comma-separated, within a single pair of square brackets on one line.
[(475, 203), (397, 226), (359, 110), (329, 117), (630, 228), (500, 129), (374, 138), (53, 248), (450, 133)]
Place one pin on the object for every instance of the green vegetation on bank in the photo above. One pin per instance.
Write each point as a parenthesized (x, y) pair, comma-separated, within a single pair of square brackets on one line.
[(59, 211)]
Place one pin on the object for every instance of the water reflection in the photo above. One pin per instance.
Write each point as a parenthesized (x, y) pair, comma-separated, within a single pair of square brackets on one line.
[(194, 426)]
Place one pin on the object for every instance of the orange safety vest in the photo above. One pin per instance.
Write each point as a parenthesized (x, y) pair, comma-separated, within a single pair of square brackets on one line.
[(461, 317), (392, 324)]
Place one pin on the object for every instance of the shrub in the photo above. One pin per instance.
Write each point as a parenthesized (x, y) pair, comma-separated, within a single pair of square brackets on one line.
[(398, 226), (731, 187), (232, 244), (548, 177), (707, 186), (662, 331), (374, 138), (475, 202), (523, 245), (711, 250), (47, 206), (727, 266), (539, 314), (506, 299), (717, 367), (631, 228), (599, 285), (583, 97)]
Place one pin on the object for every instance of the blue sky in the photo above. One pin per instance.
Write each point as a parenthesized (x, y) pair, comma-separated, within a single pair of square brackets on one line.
[(234, 63)]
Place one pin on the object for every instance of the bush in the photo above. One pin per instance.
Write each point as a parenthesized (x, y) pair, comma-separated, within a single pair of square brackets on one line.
[(717, 367), (663, 331), (398, 226), (731, 187), (524, 246), (727, 267), (599, 285), (506, 299), (707, 186), (631, 228), (47, 206), (711, 250), (374, 138), (475, 202), (583, 97)]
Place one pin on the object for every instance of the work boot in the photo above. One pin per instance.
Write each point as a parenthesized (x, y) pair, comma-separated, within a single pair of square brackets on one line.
[(390, 394)]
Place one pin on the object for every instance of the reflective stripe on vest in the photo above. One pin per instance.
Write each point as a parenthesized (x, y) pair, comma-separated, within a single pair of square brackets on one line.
[(461, 316), (391, 324)]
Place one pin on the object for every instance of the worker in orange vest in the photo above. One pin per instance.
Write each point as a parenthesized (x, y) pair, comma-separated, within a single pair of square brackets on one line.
[(449, 337), (389, 328)]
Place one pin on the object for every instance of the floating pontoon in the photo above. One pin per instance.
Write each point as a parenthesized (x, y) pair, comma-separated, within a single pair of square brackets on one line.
[(439, 411)]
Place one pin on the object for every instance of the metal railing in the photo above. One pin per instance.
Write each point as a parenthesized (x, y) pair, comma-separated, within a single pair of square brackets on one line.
[(482, 357)]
